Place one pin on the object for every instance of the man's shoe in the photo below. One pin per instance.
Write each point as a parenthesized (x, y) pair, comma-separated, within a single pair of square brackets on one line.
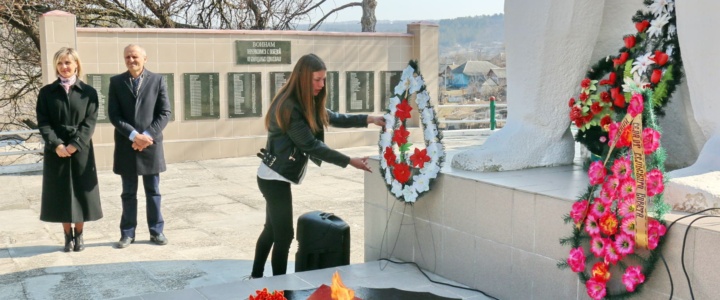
[(124, 242), (159, 239)]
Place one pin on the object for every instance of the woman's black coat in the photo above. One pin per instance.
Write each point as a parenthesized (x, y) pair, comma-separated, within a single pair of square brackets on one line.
[(70, 191)]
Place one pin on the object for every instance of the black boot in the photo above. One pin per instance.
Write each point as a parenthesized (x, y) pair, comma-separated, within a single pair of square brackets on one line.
[(79, 243), (68, 241)]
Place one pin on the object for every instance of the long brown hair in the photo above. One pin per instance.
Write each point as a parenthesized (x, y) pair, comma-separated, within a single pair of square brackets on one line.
[(299, 87)]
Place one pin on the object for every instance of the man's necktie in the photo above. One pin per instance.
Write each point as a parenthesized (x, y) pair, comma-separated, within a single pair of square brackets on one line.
[(135, 85)]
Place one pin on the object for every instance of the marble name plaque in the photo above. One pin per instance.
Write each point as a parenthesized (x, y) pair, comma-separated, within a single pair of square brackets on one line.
[(202, 98), (170, 82), (388, 81), (244, 95), (101, 83), (360, 88), (277, 80), (332, 82)]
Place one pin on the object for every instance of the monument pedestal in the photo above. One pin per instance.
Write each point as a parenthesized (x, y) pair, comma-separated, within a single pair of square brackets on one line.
[(694, 193), (499, 231)]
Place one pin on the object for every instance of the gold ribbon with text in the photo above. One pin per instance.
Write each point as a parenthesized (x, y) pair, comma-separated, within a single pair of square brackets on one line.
[(638, 162)]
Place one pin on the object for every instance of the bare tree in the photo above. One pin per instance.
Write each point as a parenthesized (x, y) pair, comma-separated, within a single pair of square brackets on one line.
[(20, 72), (368, 20)]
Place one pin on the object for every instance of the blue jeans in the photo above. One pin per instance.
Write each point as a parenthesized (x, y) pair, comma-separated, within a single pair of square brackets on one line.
[(128, 222)]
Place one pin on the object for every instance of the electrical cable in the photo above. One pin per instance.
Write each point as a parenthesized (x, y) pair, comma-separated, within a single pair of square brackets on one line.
[(385, 233), (692, 214), (387, 225), (682, 259), (682, 256), (438, 282), (432, 239), (672, 287)]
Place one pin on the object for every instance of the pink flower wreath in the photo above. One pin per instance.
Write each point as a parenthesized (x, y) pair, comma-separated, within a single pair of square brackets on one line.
[(606, 218)]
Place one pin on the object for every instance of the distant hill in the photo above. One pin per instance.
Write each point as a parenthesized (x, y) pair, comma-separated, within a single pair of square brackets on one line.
[(354, 26), (472, 30), (487, 29)]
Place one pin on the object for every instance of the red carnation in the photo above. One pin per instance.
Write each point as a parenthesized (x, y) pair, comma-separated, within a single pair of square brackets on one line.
[(605, 97), (585, 83), (571, 102), (608, 224), (600, 271), (606, 120), (660, 58), (401, 172), (390, 156), (419, 158), (583, 96), (656, 75), (621, 59), (596, 108), (579, 122), (641, 26), (629, 41), (575, 113), (400, 135)]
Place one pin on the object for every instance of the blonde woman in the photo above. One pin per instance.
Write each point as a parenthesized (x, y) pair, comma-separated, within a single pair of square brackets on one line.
[(67, 110)]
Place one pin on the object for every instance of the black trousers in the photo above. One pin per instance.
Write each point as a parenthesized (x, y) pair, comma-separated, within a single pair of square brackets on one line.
[(278, 232)]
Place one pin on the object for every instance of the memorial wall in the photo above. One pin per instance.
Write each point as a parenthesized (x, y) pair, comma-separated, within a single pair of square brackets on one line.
[(221, 82)]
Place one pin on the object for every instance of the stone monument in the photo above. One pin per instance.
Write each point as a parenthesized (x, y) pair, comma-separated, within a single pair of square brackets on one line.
[(696, 187), (551, 43)]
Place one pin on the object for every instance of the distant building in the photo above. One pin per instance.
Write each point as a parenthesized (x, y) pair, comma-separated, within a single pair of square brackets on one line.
[(445, 74), (471, 72), (498, 76), (495, 85), (489, 88)]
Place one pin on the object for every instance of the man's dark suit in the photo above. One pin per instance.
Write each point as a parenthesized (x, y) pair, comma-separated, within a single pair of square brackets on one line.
[(147, 112)]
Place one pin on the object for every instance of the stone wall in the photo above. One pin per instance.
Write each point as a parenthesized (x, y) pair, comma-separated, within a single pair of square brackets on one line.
[(180, 51)]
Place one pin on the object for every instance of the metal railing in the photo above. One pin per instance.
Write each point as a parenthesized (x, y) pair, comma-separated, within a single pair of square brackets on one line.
[(21, 152), (20, 155)]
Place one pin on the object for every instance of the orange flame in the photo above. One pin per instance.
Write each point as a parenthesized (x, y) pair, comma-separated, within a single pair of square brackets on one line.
[(339, 291)]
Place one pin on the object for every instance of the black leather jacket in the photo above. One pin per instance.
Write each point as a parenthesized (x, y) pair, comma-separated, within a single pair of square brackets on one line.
[(287, 153)]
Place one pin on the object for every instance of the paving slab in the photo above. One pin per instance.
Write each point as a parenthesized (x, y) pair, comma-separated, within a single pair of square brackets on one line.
[(213, 212)]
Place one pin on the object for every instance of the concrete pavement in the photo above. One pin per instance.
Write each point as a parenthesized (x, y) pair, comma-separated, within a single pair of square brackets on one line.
[(213, 211)]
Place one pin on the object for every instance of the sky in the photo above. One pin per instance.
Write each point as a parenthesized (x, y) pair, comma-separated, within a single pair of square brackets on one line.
[(397, 10)]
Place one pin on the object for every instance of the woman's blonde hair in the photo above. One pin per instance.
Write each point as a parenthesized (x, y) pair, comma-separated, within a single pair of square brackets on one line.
[(70, 53), (300, 87)]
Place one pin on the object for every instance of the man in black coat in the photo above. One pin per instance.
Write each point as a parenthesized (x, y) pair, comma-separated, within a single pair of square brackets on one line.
[(139, 109)]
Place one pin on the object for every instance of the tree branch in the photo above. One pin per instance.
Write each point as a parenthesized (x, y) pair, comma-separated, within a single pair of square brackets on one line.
[(318, 23), (161, 14)]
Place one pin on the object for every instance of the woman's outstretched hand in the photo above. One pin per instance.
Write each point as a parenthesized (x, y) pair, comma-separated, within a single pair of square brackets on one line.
[(377, 120), (360, 163)]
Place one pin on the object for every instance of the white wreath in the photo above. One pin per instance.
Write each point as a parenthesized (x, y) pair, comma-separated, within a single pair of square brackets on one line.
[(421, 178)]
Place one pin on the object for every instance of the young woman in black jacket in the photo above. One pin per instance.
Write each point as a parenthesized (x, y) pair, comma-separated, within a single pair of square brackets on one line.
[(295, 123)]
